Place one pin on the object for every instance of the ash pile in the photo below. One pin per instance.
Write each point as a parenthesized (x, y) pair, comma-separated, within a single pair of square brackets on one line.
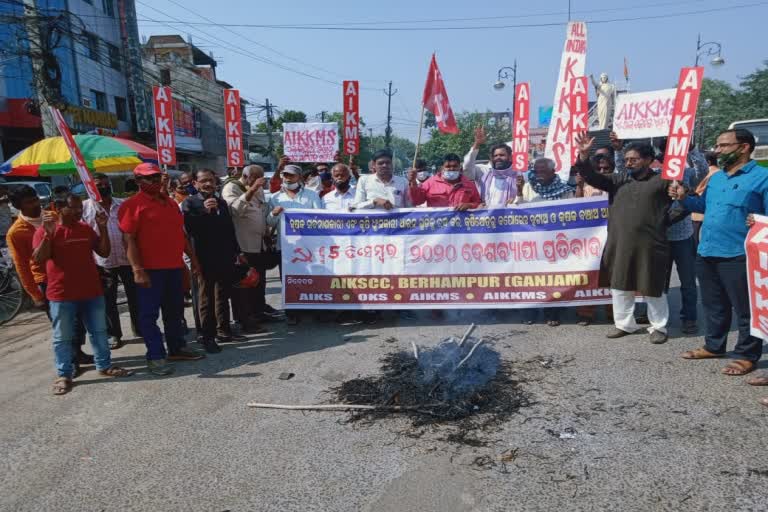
[(463, 383)]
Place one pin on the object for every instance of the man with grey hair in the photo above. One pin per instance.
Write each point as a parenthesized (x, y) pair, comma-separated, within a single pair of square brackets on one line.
[(543, 185), (342, 195), (245, 197)]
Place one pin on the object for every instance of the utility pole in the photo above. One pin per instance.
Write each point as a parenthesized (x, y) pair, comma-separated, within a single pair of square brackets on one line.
[(268, 110), (388, 131), (322, 116), (40, 53)]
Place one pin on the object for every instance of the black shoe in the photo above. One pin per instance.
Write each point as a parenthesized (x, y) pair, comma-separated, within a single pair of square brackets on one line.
[(642, 320), (617, 333), (83, 358), (269, 310), (211, 346)]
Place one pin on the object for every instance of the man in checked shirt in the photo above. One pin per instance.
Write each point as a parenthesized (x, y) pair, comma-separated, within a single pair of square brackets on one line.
[(114, 267)]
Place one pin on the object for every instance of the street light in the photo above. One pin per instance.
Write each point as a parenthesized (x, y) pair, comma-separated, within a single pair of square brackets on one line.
[(708, 49), (504, 75)]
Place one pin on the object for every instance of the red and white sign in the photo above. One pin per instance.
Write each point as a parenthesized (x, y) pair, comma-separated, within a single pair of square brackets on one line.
[(521, 127), (572, 65), (756, 246), (351, 117), (165, 134), (233, 122), (683, 121), (310, 142), (435, 100), (77, 156), (578, 104), (643, 114)]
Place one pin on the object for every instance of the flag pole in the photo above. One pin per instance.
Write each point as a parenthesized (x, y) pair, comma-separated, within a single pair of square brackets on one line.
[(418, 137)]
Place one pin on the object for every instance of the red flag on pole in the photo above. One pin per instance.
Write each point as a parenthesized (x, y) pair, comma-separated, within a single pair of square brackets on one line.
[(77, 156), (436, 100), (626, 70)]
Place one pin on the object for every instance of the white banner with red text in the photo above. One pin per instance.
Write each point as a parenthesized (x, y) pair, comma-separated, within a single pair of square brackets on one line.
[(756, 246), (644, 114), (535, 255)]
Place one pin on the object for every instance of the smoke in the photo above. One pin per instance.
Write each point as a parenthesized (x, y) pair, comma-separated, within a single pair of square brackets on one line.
[(440, 366)]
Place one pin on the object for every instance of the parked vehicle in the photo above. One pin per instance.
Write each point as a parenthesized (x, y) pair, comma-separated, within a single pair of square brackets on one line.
[(759, 128)]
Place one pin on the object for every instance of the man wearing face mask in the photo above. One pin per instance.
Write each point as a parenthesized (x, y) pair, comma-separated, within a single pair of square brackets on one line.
[(382, 190), (153, 234), (731, 196), (342, 196), (114, 268), (447, 188), (422, 173), (292, 195), (210, 229), (312, 181), (637, 250), (496, 181)]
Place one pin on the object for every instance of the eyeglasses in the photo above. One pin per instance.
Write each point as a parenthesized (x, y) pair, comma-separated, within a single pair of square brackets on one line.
[(721, 146)]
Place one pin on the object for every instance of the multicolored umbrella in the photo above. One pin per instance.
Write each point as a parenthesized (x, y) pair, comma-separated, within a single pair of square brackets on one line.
[(50, 157)]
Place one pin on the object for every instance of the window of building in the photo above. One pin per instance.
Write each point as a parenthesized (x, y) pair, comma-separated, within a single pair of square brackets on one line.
[(114, 56), (109, 7), (93, 46), (121, 108), (99, 100)]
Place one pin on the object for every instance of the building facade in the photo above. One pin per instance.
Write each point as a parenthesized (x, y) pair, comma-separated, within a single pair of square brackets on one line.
[(95, 67)]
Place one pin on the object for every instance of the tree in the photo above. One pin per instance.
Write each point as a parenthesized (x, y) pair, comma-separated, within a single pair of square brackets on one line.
[(287, 116), (441, 144), (728, 104)]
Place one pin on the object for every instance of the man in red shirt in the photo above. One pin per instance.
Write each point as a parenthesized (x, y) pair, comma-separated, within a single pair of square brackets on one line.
[(153, 231), (447, 188), (74, 286)]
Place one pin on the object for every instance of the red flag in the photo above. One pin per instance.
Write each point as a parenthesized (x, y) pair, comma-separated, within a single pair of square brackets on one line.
[(626, 70), (436, 100)]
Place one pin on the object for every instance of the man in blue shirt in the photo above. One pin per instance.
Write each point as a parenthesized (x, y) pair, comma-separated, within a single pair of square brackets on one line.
[(731, 195)]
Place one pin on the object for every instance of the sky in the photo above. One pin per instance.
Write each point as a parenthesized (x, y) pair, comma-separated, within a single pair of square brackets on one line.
[(659, 39)]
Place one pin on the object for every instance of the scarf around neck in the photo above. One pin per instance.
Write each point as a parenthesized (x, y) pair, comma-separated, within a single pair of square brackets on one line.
[(510, 184), (555, 190)]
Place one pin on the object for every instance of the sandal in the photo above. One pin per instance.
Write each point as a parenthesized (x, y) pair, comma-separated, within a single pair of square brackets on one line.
[(738, 367), (584, 322), (764, 401), (758, 381), (62, 386), (553, 323), (700, 353), (115, 371)]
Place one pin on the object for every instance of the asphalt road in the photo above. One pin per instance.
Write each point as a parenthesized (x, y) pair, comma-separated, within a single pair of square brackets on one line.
[(616, 425)]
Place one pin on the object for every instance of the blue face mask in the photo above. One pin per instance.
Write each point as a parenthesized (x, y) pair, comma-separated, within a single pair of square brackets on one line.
[(191, 190), (451, 175)]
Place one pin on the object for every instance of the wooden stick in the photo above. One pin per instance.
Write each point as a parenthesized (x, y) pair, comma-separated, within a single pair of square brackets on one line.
[(466, 334), (468, 355), (415, 351), (418, 138), (340, 407)]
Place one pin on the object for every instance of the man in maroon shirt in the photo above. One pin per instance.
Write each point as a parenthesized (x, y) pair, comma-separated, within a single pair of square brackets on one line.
[(153, 231), (74, 287), (447, 188)]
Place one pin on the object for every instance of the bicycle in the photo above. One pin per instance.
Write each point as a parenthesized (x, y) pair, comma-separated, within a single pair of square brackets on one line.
[(12, 295)]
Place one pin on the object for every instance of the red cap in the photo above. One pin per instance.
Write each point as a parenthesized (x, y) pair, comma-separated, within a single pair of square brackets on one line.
[(146, 169)]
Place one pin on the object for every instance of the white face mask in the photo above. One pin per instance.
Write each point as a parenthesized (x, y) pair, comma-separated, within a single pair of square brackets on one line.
[(291, 186), (422, 175), (451, 175)]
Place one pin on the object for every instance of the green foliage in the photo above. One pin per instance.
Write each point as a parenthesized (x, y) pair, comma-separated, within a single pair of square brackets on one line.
[(750, 101), (440, 144), (288, 116)]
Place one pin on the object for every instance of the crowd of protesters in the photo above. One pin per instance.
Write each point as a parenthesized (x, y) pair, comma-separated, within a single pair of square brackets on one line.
[(214, 241)]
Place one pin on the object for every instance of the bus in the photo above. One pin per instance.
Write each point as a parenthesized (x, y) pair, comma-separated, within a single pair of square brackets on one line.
[(759, 128)]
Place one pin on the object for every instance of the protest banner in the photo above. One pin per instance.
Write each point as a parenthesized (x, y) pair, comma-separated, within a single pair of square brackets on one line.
[(521, 127), (756, 246), (310, 142), (643, 114), (165, 134), (234, 128), (351, 117), (536, 255), (683, 122), (579, 108), (77, 156), (572, 64)]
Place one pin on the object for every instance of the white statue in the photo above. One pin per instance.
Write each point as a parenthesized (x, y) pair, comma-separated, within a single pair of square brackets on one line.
[(606, 92)]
